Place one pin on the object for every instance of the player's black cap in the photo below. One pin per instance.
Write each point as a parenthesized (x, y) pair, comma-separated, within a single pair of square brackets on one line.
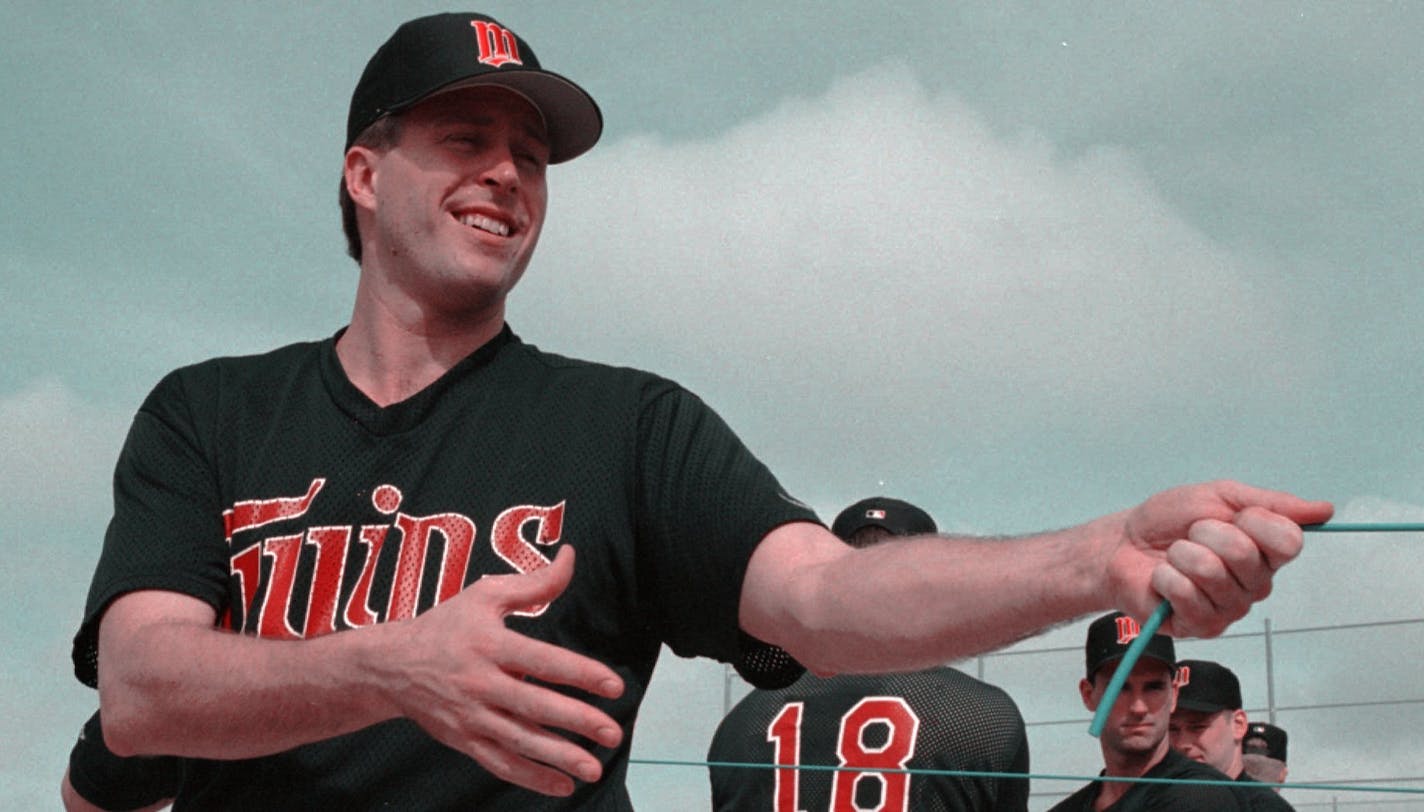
[(897, 517), (1110, 635), (1208, 687), (444, 52), (1265, 739)]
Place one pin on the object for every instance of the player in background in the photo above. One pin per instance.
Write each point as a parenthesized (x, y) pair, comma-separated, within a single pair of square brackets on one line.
[(99, 781), (1134, 740), (1209, 726), (364, 546), (1263, 753), (936, 719)]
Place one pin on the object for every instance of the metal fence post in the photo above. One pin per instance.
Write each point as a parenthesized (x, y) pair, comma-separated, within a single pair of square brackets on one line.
[(1270, 676)]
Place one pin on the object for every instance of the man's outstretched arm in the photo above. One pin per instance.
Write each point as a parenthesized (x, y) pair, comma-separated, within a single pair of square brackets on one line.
[(1210, 549)]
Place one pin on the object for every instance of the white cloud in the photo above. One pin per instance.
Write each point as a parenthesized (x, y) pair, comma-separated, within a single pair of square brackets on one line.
[(56, 452), (884, 244)]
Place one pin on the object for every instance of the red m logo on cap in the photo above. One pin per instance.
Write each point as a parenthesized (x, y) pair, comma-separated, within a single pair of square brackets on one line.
[(1127, 630), (497, 45)]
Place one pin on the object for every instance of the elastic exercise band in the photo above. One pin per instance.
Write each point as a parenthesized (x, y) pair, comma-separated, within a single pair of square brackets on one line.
[(1206, 782)]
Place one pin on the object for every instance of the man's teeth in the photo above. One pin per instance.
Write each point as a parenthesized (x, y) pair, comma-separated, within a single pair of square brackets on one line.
[(484, 223)]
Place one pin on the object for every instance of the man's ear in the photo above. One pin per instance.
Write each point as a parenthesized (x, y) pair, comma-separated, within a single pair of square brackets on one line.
[(359, 174), (1085, 690), (1239, 725)]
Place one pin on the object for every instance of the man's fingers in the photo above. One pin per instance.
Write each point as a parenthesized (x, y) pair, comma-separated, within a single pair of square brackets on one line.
[(512, 768), (1193, 614), (1278, 537), (521, 655), (1212, 576), (547, 662), (1226, 559), (1297, 510), (534, 742), (548, 708)]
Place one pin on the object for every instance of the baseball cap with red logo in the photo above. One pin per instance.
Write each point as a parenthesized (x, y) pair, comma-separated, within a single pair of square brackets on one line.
[(1110, 635), (1207, 687), (445, 52)]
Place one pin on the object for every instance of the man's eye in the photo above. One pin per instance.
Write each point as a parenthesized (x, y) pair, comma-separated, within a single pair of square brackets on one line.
[(532, 154)]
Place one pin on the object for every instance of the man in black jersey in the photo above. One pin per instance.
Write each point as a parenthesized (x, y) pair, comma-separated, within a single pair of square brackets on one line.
[(936, 719), (1134, 740), (341, 574), (1209, 726)]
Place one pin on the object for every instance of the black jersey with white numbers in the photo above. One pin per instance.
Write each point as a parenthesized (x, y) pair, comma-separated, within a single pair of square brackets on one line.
[(271, 488), (857, 734)]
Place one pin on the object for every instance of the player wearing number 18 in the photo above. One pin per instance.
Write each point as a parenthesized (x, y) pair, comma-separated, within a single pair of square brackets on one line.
[(871, 727)]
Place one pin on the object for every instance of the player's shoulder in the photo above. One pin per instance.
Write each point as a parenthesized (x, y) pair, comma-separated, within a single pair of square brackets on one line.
[(1217, 791), (938, 687), (949, 682), (590, 374), (267, 361), (569, 364), (1260, 796), (257, 372), (1082, 798)]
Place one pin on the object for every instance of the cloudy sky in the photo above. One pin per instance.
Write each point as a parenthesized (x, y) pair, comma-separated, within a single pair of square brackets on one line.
[(1021, 263)]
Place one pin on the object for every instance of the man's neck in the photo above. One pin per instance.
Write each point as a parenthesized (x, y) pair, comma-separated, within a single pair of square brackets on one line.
[(391, 356), (1125, 765)]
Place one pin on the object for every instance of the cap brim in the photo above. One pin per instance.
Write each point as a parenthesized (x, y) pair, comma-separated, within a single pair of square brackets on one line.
[(571, 116)]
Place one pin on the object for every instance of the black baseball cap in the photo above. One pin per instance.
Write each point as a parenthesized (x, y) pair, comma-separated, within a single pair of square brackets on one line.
[(1265, 739), (897, 517), (1208, 687), (445, 52), (1110, 635)]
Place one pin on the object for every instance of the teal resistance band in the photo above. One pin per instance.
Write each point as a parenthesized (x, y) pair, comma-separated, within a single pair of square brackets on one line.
[(1129, 657), (742, 765)]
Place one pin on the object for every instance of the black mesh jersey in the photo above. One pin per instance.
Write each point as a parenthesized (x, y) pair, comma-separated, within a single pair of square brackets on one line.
[(273, 489), (1257, 796), (1165, 797), (939, 719), (114, 782)]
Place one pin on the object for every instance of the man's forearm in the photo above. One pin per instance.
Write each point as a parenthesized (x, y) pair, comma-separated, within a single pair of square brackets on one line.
[(172, 686), (916, 602), (170, 683)]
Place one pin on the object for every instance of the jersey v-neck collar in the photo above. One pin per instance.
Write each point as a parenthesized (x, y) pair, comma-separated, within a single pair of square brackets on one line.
[(409, 413)]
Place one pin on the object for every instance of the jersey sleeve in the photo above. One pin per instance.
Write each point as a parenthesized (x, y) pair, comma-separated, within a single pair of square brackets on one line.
[(114, 782), (166, 531), (705, 502)]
